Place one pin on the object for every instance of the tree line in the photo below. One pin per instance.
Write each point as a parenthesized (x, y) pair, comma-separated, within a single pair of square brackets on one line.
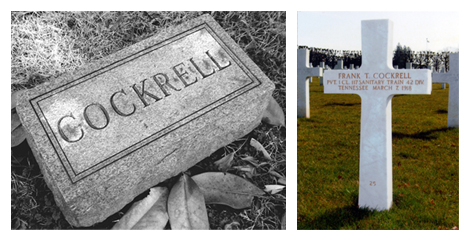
[(401, 56)]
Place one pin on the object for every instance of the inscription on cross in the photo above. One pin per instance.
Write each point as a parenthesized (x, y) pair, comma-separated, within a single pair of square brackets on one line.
[(376, 82), (452, 78), (303, 73)]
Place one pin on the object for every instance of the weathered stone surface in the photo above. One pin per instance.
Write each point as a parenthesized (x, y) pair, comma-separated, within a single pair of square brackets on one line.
[(116, 127)]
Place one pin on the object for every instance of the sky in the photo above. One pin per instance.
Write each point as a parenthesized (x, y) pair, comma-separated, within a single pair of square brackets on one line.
[(434, 31)]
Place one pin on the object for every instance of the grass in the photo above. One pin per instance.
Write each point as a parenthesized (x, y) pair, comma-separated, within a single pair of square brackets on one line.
[(45, 45), (425, 164)]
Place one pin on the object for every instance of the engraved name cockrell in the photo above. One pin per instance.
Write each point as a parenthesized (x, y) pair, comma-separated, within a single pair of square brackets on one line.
[(177, 78), (121, 106)]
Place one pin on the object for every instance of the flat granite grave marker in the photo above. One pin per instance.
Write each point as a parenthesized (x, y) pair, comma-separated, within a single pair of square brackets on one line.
[(116, 127), (452, 78), (303, 74), (376, 82)]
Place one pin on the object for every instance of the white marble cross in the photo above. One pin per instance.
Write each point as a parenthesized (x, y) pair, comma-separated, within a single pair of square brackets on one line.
[(303, 74), (376, 82), (452, 78), (322, 65)]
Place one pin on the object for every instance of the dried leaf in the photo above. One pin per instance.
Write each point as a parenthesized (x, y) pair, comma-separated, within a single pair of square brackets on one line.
[(227, 189), (18, 135), (248, 170), (225, 162), (273, 114), (254, 162), (148, 214), (249, 159), (186, 206), (273, 189), (254, 143)]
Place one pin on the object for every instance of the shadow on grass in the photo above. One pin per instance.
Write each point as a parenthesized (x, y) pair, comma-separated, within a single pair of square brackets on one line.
[(424, 135), (338, 218)]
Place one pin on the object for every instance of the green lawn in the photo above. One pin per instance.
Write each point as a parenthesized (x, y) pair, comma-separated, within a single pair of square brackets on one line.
[(425, 164)]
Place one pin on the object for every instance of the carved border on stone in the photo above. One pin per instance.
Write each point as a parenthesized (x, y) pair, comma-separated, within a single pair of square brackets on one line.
[(72, 174)]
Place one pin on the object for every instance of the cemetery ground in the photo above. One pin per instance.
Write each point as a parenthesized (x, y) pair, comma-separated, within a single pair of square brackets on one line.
[(48, 44), (425, 164)]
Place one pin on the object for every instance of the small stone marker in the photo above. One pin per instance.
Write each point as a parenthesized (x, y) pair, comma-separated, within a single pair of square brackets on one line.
[(303, 74), (452, 78), (376, 82), (114, 128)]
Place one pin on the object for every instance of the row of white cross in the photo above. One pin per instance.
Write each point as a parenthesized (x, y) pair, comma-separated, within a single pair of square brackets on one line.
[(376, 82), (304, 73)]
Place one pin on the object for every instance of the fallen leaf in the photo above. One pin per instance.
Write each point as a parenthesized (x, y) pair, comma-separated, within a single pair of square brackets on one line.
[(248, 170), (254, 162), (149, 213), (225, 162), (254, 143), (249, 159), (186, 206), (273, 114), (455, 228), (18, 135), (227, 189), (273, 189)]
